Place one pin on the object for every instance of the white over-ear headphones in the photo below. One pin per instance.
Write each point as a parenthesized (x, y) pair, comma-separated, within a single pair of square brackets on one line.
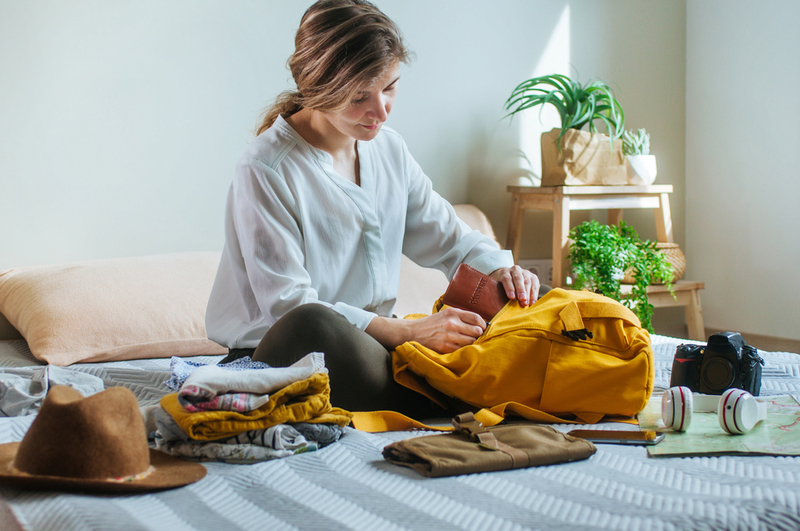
[(736, 409)]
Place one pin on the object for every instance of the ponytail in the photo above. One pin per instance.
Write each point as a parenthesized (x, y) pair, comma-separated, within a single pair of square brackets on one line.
[(287, 102)]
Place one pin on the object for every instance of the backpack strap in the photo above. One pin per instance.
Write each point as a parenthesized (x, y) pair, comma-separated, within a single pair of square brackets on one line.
[(497, 414), (572, 316), (380, 421), (608, 309)]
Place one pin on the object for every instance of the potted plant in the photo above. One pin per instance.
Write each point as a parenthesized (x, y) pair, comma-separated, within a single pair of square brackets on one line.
[(641, 165), (600, 255), (569, 154)]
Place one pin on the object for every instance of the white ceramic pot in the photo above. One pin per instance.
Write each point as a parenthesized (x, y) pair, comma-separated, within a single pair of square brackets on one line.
[(642, 169)]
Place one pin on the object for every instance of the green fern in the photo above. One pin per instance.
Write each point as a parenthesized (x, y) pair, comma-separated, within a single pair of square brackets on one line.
[(601, 254)]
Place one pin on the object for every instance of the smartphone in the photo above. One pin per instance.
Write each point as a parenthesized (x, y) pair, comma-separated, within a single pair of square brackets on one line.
[(639, 437)]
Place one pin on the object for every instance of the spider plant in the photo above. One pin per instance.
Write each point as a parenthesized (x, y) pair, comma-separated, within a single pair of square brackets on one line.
[(577, 104)]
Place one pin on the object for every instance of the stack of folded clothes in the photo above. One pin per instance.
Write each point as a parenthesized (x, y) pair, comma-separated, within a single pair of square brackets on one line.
[(246, 411)]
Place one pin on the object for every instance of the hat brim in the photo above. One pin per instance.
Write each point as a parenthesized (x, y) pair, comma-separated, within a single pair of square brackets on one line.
[(170, 472)]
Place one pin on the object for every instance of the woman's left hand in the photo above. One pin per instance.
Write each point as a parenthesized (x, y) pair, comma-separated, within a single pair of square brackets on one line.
[(519, 283)]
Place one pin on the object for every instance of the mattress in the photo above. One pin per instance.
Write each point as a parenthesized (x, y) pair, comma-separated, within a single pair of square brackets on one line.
[(348, 485)]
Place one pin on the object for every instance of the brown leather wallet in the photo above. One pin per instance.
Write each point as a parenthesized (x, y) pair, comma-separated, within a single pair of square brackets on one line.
[(473, 291)]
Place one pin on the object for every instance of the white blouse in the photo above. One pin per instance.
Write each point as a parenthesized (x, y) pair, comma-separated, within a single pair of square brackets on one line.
[(297, 232)]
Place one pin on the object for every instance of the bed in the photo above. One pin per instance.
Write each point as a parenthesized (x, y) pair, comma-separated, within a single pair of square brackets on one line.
[(349, 485)]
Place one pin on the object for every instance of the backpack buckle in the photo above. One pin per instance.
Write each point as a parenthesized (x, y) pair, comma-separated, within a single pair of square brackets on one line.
[(577, 335)]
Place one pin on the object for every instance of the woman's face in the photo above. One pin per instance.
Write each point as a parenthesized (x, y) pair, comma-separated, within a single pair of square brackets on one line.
[(363, 118)]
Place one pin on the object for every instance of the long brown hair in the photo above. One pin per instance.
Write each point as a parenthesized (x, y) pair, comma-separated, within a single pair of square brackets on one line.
[(341, 47)]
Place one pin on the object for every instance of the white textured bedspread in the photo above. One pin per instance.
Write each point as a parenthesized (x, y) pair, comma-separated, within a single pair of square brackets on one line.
[(348, 485)]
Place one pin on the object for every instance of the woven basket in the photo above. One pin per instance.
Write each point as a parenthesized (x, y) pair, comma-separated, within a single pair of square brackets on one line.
[(674, 256)]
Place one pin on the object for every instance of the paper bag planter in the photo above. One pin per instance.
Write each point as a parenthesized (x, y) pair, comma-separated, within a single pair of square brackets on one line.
[(585, 159)]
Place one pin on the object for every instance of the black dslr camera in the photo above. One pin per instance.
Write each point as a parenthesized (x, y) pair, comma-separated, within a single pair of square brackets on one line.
[(725, 362)]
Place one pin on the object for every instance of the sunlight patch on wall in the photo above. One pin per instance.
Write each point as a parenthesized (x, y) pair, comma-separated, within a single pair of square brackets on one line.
[(555, 59)]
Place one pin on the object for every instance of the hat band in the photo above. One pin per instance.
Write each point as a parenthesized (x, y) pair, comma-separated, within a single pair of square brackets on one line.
[(134, 477), (124, 479)]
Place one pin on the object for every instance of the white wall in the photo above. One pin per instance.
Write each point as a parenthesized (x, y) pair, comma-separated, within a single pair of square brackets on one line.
[(637, 47), (120, 122), (743, 163)]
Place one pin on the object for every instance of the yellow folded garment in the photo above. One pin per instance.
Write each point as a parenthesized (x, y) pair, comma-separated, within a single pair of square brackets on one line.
[(304, 401)]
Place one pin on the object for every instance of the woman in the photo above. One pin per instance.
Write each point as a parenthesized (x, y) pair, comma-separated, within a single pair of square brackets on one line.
[(324, 202)]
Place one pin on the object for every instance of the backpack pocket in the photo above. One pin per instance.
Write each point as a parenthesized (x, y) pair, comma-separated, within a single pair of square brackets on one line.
[(591, 382)]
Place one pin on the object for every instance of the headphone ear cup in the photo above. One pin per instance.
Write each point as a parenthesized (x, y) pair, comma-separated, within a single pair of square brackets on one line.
[(676, 408), (739, 411)]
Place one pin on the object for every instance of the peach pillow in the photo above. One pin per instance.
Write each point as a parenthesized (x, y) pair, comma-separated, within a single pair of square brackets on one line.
[(111, 310)]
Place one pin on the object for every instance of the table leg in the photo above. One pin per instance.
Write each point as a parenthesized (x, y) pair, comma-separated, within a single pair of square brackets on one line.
[(664, 220), (694, 317), (560, 240), (614, 216), (513, 236)]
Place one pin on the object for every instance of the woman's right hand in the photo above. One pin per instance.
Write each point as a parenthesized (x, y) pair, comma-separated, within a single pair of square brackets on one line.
[(443, 332)]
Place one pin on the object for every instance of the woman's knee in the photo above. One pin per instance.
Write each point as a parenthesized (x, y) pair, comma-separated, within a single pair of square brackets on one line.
[(312, 323), (307, 328)]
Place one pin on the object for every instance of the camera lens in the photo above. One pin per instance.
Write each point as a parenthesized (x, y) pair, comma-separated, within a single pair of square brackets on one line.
[(718, 374)]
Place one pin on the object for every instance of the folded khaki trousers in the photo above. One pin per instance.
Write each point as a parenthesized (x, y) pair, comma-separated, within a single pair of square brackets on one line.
[(473, 448)]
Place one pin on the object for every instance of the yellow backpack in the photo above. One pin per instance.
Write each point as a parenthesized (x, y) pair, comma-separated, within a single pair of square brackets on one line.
[(574, 356)]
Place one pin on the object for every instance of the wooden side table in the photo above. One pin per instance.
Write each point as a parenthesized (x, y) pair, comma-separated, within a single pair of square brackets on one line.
[(562, 200), (687, 294)]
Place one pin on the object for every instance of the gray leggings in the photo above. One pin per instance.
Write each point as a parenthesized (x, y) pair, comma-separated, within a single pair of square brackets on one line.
[(360, 368)]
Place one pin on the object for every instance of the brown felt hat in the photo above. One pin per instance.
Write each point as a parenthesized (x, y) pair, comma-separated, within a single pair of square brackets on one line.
[(92, 444)]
